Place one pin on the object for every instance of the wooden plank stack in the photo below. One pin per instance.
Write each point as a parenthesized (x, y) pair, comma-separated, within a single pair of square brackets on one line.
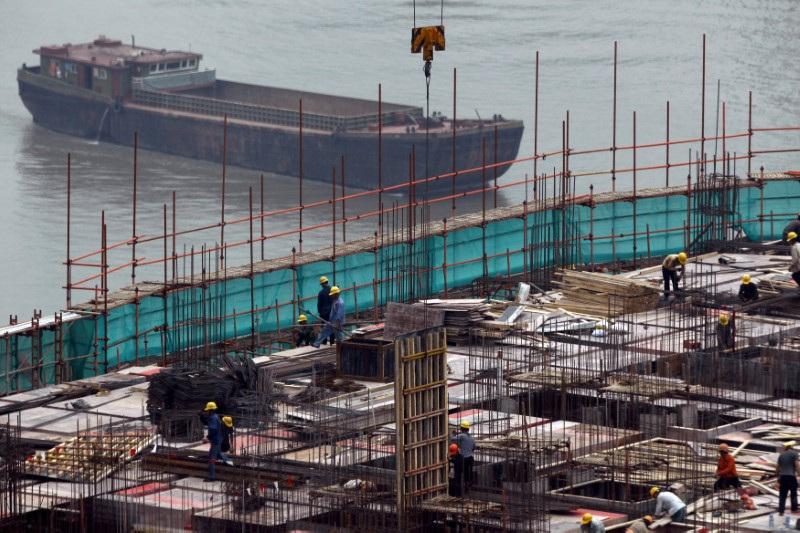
[(603, 295), (460, 317)]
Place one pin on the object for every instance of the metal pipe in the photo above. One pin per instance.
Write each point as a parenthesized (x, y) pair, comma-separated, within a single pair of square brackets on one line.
[(69, 225), (703, 108), (614, 128), (222, 210), (133, 217), (300, 183), (455, 126)]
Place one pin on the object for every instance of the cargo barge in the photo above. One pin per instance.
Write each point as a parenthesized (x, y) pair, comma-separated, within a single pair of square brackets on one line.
[(108, 90)]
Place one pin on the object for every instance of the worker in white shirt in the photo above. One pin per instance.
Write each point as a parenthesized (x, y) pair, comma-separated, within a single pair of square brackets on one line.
[(668, 503)]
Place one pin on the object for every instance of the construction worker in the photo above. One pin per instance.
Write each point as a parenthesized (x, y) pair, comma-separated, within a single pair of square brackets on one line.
[(727, 477), (214, 438), (791, 227), (794, 266), (333, 328), (456, 473), (787, 470), (303, 334), (640, 526), (668, 504), (466, 448), (228, 436), (748, 290), (324, 302), (591, 524), (724, 332), (669, 269)]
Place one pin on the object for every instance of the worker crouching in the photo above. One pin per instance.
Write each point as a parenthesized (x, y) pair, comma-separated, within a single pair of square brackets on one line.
[(748, 290), (590, 524), (303, 334), (727, 476), (641, 525)]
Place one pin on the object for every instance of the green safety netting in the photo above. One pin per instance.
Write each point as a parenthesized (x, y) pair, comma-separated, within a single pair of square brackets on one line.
[(465, 251)]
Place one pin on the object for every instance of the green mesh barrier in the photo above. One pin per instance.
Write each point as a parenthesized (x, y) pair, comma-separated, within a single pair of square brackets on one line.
[(465, 249)]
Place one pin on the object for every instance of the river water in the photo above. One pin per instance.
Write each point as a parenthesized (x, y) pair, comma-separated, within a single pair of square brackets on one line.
[(348, 48)]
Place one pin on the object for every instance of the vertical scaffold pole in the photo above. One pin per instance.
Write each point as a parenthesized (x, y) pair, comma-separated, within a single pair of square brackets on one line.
[(614, 128), (455, 125)]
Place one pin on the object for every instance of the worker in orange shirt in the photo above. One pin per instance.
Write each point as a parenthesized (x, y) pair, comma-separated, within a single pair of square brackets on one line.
[(727, 477)]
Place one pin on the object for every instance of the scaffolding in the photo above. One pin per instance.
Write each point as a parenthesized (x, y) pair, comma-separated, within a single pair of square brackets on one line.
[(584, 384)]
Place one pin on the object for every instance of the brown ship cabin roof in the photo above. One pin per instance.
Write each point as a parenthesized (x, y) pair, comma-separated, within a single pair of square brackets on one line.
[(113, 54)]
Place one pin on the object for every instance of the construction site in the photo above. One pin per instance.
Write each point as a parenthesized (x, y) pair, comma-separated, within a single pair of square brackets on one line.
[(541, 328)]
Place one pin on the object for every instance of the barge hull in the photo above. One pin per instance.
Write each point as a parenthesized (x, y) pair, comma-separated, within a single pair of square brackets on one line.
[(275, 149)]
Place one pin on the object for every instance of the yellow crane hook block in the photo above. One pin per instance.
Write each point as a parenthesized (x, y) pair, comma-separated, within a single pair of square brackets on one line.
[(426, 40)]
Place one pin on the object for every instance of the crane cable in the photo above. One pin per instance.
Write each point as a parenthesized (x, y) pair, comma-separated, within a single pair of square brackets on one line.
[(426, 69)]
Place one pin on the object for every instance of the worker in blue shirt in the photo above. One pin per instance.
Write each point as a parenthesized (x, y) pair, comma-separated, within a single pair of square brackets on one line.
[(336, 319), (214, 438)]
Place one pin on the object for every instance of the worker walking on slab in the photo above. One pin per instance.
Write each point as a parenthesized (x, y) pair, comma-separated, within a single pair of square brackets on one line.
[(214, 438), (748, 290), (303, 334), (794, 266), (669, 269), (668, 504), (787, 470), (325, 302), (727, 476), (724, 332), (466, 448), (791, 227), (640, 526), (456, 472), (333, 328), (590, 524)]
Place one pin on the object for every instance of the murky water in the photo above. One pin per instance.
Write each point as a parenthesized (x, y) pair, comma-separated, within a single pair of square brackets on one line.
[(348, 48)]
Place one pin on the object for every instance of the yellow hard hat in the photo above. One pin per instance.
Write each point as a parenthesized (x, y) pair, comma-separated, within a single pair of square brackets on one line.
[(654, 491), (682, 258), (334, 290), (791, 235), (302, 318), (228, 421), (211, 406), (465, 424), (746, 279), (586, 518), (723, 319), (323, 279), (789, 444)]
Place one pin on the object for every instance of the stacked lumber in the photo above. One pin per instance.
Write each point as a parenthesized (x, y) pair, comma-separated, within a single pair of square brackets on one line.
[(778, 433), (603, 295), (460, 317)]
